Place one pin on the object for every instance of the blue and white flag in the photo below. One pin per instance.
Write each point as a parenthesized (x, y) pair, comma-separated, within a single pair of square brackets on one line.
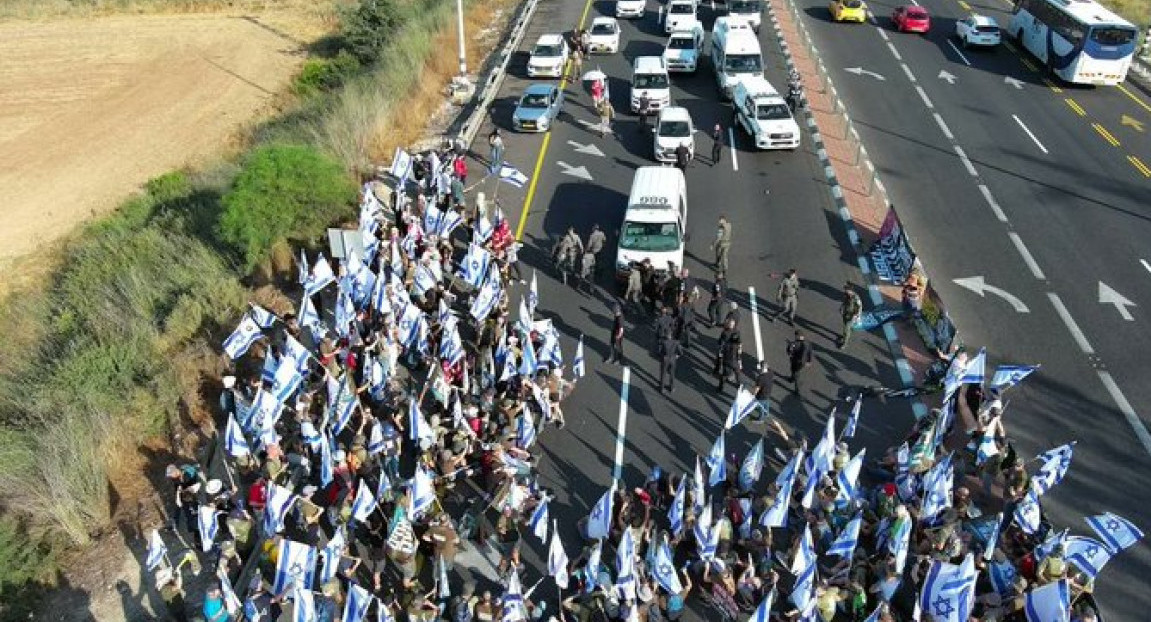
[(993, 538), (356, 607), (550, 352), (678, 503), (486, 298), (763, 611), (1007, 376), (296, 564), (975, 372), (512, 175), (1053, 539), (311, 436), (344, 405), (279, 500), (418, 427), (303, 604), (157, 550), (1048, 603), (557, 559), (302, 268), (819, 462), (849, 476), (803, 567), (844, 545), (853, 418), (365, 501), (423, 493), (625, 555), (579, 369), (533, 296), (716, 462), (1002, 576), (287, 381), (937, 485), (475, 265), (271, 364), (988, 447), (664, 569), (706, 534), (234, 442), (451, 345), (242, 338), (1056, 462), (310, 319), (231, 601), (528, 362), (539, 521), (206, 521), (752, 467), (321, 277), (513, 609), (1088, 554), (401, 167), (384, 486), (265, 411), (949, 591), (1116, 532), (599, 522), (698, 490), (743, 406), (376, 442), (424, 279), (899, 542), (443, 586), (776, 515), (1028, 513), (326, 469), (483, 229), (262, 317), (332, 552), (592, 567), (345, 312)]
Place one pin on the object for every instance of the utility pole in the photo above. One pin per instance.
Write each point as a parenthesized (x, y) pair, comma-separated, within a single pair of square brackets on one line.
[(461, 89)]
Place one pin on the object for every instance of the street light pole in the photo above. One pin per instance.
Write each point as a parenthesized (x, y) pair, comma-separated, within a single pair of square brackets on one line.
[(460, 37)]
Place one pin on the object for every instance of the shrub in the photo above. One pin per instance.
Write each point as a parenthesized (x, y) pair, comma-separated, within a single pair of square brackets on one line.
[(283, 192), (369, 26), (320, 75)]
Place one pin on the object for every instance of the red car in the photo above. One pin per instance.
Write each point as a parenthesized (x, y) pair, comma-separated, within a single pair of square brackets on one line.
[(911, 19)]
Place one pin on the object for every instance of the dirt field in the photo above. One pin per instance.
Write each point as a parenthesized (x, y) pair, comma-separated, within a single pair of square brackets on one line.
[(91, 108)]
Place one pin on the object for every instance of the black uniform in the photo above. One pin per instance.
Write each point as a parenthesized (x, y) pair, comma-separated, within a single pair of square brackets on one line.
[(664, 329), (799, 356), (727, 359), (685, 323), (616, 355), (715, 306), (716, 145), (671, 351)]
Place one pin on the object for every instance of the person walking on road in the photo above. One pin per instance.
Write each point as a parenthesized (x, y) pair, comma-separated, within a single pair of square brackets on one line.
[(850, 310), (682, 156), (799, 356), (715, 305), (727, 359), (616, 355), (569, 249), (606, 114), (495, 150), (671, 351), (685, 321), (634, 293), (644, 109), (722, 245), (716, 144), (586, 272), (732, 314), (664, 330), (595, 243), (788, 296)]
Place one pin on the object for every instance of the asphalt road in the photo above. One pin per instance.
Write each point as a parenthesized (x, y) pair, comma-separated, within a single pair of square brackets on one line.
[(1072, 211)]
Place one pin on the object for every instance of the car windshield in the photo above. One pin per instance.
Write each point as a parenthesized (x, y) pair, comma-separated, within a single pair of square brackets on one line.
[(743, 63), (546, 50), (650, 81), (1112, 36), (680, 43), (681, 9), (603, 29), (917, 14), (852, 4), (675, 129), (987, 30), (771, 112), (534, 100), (743, 6), (650, 236)]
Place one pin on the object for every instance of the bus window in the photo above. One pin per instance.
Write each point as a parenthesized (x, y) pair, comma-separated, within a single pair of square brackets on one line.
[(1112, 36)]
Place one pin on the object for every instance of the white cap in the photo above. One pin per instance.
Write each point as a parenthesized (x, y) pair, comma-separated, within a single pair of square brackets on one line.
[(214, 486), (229, 381)]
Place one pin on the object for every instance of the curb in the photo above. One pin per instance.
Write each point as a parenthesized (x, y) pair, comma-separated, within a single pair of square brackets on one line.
[(893, 342)]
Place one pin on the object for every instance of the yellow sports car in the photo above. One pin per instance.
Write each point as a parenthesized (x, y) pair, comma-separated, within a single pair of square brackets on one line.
[(848, 11)]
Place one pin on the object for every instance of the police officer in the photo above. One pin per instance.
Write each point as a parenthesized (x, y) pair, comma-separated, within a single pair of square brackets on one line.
[(716, 143), (595, 243), (788, 296), (727, 359), (671, 351), (664, 329), (715, 305), (616, 355), (682, 156), (722, 245), (732, 314), (684, 320), (850, 310), (799, 357), (644, 109)]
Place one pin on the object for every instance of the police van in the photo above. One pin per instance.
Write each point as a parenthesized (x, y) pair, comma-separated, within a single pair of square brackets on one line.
[(735, 53), (655, 222)]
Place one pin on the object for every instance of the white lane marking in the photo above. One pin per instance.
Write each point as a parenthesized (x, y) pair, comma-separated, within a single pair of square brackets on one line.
[(1076, 334), (731, 141), (961, 56), (966, 161), (1108, 296), (894, 52), (621, 427), (907, 70), (924, 97), (1126, 409), (943, 126), (1028, 130), (1032, 265), (1145, 264), (755, 324), (882, 34), (993, 203)]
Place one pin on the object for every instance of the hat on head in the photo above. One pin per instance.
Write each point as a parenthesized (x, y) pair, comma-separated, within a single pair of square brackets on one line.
[(214, 486), (229, 381)]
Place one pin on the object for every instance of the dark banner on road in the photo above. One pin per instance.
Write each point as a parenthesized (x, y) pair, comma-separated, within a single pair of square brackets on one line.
[(891, 254)]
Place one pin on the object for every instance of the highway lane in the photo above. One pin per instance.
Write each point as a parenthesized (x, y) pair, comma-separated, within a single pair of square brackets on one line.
[(958, 234)]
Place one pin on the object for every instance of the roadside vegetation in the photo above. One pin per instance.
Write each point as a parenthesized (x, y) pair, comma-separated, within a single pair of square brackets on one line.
[(120, 344)]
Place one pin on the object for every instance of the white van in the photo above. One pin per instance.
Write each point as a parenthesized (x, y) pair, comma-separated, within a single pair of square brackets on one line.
[(683, 49), (735, 53), (649, 76), (747, 10), (764, 115), (655, 221)]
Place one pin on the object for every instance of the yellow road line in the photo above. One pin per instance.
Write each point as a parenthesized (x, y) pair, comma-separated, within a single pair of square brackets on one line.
[(1139, 165), (1105, 134), (1051, 85), (1028, 64), (1134, 98), (547, 140), (966, 7), (1075, 106)]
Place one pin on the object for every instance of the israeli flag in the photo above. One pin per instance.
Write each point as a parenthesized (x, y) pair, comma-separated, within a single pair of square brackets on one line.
[(376, 442), (528, 362), (525, 431), (475, 265), (949, 591), (332, 551), (987, 445), (975, 372), (345, 404), (156, 551), (625, 555), (763, 612), (345, 312), (279, 500), (525, 320), (899, 542), (231, 601), (410, 239), (448, 222), (1116, 532), (432, 217), (752, 467), (512, 175), (418, 427), (297, 564), (993, 538), (262, 317), (1007, 376), (698, 490), (592, 567), (557, 559), (451, 346), (326, 462), (356, 607), (1088, 554), (579, 369), (1048, 603), (425, 279), (310, 435), (513, 600), (844, 545), (853, 418), (550, 352), (1053, 539), (401, 166), (310, 319), (743, 406), (302, 268), (599, 522), (533, 295), (487, 298), (1056, 462), (483, 229), (776, 515), (848, 477), (716, 462), (937, 489), (242, 338), (675, 512), (384, 486), (803, 567), (303, 604), (365, 501), (287, 381), (1028, 513), (706, 535), (423, 493), (539, 521), (1002, 576), (321, 277), (206, 520), (234, 441), (268, 372)]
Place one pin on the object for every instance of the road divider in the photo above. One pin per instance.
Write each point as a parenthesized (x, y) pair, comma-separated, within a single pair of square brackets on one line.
[(1107, 136)]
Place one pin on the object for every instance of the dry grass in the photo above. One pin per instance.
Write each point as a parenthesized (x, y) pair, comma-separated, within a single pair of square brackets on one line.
[(45, 9), (1138, 12)]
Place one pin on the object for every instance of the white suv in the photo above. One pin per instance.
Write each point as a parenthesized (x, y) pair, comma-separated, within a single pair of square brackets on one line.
[(978, 30), (603, 36), (673, 128), (630, 8), (548, 57)]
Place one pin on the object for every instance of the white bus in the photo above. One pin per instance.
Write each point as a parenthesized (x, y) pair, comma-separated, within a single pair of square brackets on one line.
[(1080, 41)]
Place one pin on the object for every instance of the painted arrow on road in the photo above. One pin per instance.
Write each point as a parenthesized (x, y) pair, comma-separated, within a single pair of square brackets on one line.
[(1108, 296), (979, 286), (1132, 122), (1013, 82), (575, 171), (589, 149), (860, 71), (943, 75)]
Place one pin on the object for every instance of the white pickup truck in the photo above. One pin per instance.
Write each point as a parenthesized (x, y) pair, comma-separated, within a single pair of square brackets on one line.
[(764, 114)]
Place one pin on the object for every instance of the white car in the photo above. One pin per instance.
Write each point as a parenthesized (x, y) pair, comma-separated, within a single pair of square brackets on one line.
[(978, 30), (548, 57), (673, 128), (630, 8), (603, 36), (680, 15), (764, 115), (683, 49)]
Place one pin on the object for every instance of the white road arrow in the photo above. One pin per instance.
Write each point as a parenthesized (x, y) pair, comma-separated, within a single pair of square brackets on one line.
[(575, 171), (979, 286), (1108, 296), (860, 71), (943, 75), (589, 149), (1013, 82)]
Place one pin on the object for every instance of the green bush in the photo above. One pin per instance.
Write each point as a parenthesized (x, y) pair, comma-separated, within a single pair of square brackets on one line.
[(27, 558), (320, 75), (283, 192), (369, 26)]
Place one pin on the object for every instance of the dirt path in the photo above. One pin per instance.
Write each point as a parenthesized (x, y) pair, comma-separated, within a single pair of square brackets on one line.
[(92, 108)]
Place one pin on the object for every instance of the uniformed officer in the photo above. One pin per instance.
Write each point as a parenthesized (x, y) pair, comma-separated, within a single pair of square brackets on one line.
[(850, 310), (727, 359), (595, 243), (715, 305), (616, 355), (671, 351), (788, 296), (799, 357), (664, 329), (722, 245)]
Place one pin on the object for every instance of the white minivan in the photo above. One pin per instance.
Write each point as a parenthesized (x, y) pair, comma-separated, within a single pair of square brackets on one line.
[(649, 77), (655, 221), (673, 127), (683, 49), (735, 53)]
